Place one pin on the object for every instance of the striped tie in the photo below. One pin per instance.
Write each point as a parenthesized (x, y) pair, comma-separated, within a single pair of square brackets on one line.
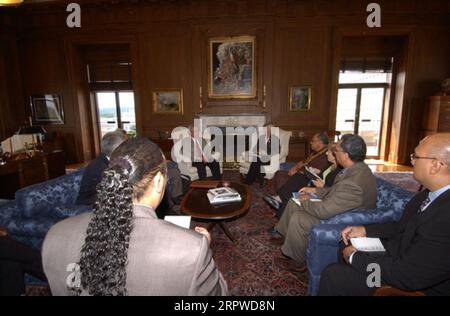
[(424, 204)]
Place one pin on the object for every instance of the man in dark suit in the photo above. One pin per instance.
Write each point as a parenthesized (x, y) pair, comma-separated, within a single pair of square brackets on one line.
[(263, 150), (199, 159), (417, 256), (93, 173), (16, 259)]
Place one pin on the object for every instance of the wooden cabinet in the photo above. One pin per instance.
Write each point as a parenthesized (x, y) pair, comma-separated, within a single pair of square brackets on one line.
[(436, 117), (20, 173)]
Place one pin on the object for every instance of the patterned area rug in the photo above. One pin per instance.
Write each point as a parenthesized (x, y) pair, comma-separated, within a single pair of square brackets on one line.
[(248, 263)]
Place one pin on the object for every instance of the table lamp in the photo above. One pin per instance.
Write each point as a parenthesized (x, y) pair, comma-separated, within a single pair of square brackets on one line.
[(32, 130)]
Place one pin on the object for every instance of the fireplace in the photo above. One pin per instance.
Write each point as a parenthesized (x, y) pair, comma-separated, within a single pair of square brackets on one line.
[(230, 159)]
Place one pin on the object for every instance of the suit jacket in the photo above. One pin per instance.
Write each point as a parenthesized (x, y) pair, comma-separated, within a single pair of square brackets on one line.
[(417, 254), (192, 152), (320, 161), (355, 188), (163, 259), (91, 177), (262, 148)]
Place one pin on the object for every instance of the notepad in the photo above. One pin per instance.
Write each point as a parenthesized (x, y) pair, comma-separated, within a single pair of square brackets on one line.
[(312, 197), (367, 244), (179, 220)]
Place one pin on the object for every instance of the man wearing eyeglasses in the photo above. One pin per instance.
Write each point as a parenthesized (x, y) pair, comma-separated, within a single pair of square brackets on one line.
[(417, 256)]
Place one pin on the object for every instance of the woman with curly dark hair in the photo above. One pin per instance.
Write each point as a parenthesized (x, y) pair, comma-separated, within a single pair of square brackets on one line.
[(122, 248)]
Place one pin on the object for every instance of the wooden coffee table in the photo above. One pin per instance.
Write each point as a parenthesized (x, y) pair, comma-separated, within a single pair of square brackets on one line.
[(196, 204)]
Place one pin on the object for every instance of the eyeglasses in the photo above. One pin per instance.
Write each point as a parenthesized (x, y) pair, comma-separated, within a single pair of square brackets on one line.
[(413, 156)]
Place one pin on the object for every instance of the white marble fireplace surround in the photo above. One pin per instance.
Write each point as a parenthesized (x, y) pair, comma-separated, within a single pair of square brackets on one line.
[(232, 120), (239, 120)]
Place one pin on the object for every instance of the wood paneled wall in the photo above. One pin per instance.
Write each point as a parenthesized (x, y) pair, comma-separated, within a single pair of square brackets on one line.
[(298, 43), (11, 105)]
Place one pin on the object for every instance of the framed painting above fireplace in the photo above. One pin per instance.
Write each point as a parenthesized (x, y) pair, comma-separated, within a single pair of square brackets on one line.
[(231, 67)]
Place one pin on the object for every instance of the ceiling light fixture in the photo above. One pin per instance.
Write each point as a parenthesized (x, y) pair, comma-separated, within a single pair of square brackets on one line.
[(10, 2)]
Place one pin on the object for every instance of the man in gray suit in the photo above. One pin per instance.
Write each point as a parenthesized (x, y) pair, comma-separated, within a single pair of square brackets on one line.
[(355, 187)]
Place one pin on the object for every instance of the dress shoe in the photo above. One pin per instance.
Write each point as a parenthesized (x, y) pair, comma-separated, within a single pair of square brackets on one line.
[(288, 264), (274, 233), (272, 202)]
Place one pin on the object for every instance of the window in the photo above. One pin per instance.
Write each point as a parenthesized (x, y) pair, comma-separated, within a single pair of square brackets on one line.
[(115, 109), (361, 98)]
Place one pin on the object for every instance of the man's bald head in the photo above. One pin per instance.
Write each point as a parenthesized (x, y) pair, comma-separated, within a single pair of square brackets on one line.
[(438, 146), (431, 161)]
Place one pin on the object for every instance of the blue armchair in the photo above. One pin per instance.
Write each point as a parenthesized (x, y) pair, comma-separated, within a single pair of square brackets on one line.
[(324, 238), (38, 207)]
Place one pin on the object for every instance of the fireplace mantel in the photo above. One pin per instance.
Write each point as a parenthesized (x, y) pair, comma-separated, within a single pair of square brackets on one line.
[(232, 120), (238, 120)]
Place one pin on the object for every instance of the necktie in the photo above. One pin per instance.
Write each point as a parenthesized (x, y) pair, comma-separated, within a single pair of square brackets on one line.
[(199, 148), (424, 204)]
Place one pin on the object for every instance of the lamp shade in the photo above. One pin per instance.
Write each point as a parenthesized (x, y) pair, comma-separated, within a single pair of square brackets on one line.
[(27, 130), (10, 2)]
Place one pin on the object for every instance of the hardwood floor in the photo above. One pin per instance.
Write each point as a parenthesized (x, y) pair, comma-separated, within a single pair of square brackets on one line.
[(375, 165), (382, 166)]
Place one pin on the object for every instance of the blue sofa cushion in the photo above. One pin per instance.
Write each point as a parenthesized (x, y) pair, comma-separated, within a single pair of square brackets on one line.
[(286, 165), (32, 201), (391, 201), (364, 217), (391, 196), (7, 212), (64, 211), (20, 226)]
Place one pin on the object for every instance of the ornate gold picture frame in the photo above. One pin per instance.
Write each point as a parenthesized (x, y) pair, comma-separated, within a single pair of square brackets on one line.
[(231, 67)]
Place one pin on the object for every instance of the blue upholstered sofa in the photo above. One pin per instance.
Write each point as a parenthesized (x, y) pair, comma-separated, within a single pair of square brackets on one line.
[(324, 238), (38, 207)]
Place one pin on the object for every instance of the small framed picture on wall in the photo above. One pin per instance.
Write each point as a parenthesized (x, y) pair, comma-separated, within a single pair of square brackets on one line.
[(47, 109), (300, 98), (168, 101)]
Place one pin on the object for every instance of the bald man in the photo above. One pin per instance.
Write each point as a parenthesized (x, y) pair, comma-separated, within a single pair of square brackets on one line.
[(417, 256)]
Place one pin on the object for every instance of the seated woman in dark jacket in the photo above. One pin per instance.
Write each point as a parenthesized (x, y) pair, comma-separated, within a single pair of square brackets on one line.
[(331, 172)]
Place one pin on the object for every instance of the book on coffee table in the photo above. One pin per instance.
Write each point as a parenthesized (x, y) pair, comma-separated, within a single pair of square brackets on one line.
[(223, 195)]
